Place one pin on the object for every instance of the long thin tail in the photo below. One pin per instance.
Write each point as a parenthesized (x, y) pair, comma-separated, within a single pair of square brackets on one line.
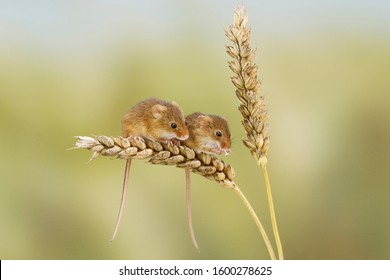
[(189, 215), (124, 191)]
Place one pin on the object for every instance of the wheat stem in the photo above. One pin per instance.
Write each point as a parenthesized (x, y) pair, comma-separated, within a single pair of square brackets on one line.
[(272, 211), (251, 101), (203, 164), (257, 221)]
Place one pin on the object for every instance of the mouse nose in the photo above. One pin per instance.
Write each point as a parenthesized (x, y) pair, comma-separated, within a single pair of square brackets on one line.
[(225, 147), (183, 138)]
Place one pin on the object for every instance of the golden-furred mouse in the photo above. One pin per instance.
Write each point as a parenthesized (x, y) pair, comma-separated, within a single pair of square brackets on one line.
[(153, 119), (208, 134)]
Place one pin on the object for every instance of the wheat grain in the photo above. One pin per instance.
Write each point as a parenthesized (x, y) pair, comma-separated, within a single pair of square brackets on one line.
[(167, 153), (251, 101)]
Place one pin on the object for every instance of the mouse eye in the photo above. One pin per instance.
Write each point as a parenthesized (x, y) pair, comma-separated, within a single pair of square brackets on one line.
[(218, 133), (173, 125)]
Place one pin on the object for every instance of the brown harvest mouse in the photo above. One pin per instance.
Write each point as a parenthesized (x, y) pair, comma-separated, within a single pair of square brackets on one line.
[(209, 134), (152, 119)]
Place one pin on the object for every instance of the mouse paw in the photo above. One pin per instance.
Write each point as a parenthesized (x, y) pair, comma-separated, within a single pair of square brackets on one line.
[(175, 142), (135, 138), (171, 142)]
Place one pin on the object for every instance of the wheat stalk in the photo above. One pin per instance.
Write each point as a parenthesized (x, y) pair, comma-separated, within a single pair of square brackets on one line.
[(167, 153), (251, 101), (206, 165)]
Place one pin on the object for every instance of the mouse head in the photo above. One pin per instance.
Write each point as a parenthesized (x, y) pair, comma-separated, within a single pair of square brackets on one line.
[(168, 120), (208, 133)]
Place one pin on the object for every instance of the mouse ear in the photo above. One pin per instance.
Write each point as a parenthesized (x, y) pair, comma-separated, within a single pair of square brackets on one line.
[(158, 111), (178, 107), (205, 120)]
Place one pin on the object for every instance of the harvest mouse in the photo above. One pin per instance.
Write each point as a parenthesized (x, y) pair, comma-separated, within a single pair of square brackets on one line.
[(208, 134), (152, 119)]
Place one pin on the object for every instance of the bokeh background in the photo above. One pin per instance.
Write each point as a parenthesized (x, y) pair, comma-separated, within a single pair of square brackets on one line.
[(75, 67)]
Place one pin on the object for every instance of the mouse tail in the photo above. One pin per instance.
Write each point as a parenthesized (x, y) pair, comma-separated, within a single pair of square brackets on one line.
[(124, 191), (189, 212)]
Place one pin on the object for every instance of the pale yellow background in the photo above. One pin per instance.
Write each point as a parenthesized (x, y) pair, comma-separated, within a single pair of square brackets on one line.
[(75, 67)]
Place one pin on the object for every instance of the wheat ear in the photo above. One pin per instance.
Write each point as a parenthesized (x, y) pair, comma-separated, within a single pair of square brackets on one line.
[(251, 101), (203, 164)]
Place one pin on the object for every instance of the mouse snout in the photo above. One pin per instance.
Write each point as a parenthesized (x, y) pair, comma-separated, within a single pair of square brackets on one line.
[(182, 136), (225, 147)]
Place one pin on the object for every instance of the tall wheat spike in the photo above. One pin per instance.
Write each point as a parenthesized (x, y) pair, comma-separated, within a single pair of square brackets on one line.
[(251, 101), (203, 164)]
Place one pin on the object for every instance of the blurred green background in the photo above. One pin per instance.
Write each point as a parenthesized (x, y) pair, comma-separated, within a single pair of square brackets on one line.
[(75, 67)]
